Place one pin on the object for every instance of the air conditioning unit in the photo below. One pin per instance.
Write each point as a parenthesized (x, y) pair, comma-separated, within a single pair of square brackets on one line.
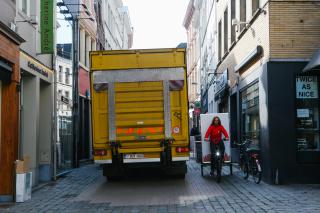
[(13, 27)]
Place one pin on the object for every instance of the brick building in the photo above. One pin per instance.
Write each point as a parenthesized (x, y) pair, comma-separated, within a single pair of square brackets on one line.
[(262, 47)]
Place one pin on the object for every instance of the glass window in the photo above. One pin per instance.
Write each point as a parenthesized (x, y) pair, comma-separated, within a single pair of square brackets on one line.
[(24, 6), (67, 94), (307, 113), (225, 31), (60, 74), (67, 76), (233, 16), (255, 6), (219, 42), (243, 13), (250, 118)]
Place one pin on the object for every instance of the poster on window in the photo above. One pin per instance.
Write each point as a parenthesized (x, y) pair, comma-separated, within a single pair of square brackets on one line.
[(206, 120), (307, 87)]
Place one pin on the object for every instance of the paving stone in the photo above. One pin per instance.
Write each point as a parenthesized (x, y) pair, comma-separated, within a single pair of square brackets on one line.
[(233, 194)]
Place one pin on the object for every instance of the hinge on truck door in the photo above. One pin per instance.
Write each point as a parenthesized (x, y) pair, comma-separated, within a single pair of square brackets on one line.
[(167, 141), (115, 144)]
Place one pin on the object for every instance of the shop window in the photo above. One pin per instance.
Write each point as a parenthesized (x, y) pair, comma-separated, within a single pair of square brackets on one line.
[(250, 119), (307, 113)]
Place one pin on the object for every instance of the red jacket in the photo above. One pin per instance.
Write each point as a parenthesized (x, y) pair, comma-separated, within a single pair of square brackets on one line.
[(215, 133)]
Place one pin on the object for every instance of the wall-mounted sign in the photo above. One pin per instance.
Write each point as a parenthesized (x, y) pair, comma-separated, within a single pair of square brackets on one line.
[(307, 87), (84, 83), (222, 81), (65, 100), (47, 28), (303, 113), (37, 69)]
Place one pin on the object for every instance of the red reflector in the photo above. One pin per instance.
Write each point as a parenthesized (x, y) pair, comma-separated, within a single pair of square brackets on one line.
[(100, 152), (182, 149)]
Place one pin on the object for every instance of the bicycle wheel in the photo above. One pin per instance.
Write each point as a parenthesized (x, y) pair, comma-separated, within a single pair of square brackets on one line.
[(245, 170), (256, 171), (219, 168)]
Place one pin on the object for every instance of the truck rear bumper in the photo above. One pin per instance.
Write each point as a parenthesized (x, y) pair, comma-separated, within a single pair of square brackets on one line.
[(103, 161), (144, 160), (180, 158)]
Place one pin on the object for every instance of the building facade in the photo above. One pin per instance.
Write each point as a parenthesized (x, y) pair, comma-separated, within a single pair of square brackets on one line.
[(9, 100), (117, 26), (37, 93), (193, 51), (262, 48), (64, 91), (87, 43)]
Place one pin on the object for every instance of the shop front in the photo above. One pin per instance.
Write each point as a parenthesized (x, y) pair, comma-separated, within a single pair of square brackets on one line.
[(9, 109), (36, 114), (277, 107), (85, 145)]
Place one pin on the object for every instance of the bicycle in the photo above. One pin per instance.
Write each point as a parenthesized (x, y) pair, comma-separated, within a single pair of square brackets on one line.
[(218, 159), (250, 161)]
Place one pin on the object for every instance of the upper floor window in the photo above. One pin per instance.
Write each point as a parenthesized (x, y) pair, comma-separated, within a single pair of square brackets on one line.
[(233, 16), (243, 13), (60, 74), (255, 6), (225, 31), (219, 41), (67, 76), (25, 7)]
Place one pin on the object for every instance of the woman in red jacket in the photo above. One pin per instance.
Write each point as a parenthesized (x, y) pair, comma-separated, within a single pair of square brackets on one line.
[(215, 132)]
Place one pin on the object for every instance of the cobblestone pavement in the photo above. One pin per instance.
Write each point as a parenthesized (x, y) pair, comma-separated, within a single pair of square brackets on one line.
[(86, 190)]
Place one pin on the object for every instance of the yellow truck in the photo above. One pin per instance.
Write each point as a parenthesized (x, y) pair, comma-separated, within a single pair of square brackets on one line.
[(140, 110)]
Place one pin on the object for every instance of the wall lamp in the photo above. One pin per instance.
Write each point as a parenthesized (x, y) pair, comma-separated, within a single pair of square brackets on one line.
[(60, 4), (68, 12), (71, 19)]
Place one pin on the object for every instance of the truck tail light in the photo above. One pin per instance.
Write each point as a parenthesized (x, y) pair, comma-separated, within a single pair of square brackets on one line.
[(182, 149), (100, 152)]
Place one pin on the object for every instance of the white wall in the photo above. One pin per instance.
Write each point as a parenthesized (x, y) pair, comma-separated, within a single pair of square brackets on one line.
[(117, 24), (64, 109)]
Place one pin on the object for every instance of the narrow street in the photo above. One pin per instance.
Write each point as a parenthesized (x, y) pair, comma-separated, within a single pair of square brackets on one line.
[(86, 190)]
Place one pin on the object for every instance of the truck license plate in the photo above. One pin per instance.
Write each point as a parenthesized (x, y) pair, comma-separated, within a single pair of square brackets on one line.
[(133, 156)]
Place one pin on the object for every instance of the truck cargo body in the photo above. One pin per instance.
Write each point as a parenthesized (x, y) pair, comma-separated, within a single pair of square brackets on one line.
[(140, 110)]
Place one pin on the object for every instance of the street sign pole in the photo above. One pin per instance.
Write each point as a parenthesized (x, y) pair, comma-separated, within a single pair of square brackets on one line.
[(75, 91)]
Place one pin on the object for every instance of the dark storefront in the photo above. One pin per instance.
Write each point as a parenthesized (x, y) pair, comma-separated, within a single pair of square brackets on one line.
[(84, 146), (277, 106)]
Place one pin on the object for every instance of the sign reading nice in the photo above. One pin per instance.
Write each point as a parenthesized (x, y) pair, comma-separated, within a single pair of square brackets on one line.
[(307, 87)]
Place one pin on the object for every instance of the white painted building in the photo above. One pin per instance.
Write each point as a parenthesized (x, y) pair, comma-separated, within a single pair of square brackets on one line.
[(64, 86), (117, 25), (208, 62)]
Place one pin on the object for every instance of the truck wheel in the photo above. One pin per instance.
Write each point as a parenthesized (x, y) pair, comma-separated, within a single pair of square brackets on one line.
[(180, 176), (112, 178)]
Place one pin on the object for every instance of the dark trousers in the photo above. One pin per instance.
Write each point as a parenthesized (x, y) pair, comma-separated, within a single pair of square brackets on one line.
[(213, 150)]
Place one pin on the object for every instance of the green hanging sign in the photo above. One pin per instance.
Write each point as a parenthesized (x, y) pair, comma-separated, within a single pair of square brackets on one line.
[(46, 13)]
